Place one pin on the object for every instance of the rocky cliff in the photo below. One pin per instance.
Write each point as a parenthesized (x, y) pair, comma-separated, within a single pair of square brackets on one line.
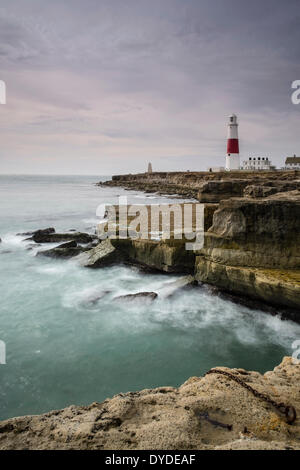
[(210, 412)]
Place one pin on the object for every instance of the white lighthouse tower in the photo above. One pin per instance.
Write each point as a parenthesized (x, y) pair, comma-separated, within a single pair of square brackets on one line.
[(233, 152)]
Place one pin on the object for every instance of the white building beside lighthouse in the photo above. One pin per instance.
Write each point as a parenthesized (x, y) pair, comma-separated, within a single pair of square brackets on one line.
[(233, 151)]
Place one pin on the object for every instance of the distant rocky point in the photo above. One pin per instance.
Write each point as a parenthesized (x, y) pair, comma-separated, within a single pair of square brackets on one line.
[(208, 186)]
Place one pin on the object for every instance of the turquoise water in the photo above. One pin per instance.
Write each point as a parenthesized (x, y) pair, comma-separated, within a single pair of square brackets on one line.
[(63, 348)]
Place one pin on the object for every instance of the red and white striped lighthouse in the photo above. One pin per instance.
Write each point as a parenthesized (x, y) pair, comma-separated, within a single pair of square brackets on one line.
[(233, 152)]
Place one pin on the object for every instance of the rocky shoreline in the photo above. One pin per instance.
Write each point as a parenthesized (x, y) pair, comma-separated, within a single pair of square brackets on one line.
[(214, 412), (251, 242)]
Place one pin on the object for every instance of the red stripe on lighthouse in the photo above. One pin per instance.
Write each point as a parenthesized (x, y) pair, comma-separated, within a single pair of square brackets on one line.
[(233, 146)]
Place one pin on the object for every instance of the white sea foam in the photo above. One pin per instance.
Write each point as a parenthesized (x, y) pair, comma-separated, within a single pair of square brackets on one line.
[(85, 298), (191, 311), (14, 241), (53, 269)]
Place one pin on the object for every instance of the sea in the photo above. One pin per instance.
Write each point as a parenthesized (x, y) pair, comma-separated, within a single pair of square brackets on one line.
[(67, 342)]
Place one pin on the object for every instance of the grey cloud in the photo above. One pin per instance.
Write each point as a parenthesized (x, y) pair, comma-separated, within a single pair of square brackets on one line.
[(138, 77)]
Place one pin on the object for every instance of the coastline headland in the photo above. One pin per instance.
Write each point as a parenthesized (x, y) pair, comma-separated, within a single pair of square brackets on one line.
[(208, 186)]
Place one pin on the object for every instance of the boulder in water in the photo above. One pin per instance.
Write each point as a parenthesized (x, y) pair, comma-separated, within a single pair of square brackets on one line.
[(79, 237), (66, 250)]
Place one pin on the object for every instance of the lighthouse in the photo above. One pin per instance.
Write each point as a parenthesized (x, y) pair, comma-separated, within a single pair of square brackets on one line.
[(233, 152)]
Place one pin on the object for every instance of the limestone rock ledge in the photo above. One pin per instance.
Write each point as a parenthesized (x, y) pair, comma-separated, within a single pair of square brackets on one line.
[(170, 418), (252, 248)]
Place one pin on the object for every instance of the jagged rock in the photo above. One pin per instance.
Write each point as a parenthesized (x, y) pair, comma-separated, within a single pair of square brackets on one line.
[(173, 418), (79, 237), (139, 296), (103, 254), (252, 249), (45, 231)]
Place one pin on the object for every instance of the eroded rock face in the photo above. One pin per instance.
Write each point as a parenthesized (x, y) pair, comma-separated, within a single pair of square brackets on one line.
[(252, 249), (173, 418), (168, 256)]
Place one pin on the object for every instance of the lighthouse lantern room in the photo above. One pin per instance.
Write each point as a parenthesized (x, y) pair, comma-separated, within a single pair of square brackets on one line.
[(233, 152)]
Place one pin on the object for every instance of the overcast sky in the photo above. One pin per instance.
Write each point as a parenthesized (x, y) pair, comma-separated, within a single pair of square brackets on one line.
[(104, 86)]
